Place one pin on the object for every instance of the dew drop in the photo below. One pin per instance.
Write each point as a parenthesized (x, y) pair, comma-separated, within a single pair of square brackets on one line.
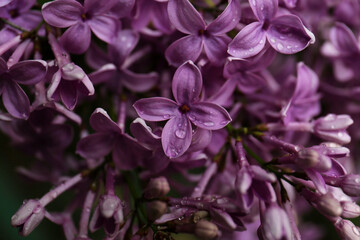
[(224, 122), (273, 40), (282, 37), (209, 124), (251, 49), (54, 195), (280, 46), (261, 41), (180, 134), (357, 180), (166, 116), (288, 46), (254, 2), (356, 231), (262, 7)]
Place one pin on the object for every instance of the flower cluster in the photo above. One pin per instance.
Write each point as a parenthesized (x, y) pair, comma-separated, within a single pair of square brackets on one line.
[(169, 118)]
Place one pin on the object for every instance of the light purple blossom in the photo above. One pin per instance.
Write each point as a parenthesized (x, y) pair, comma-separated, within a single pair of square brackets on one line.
[(177, 133)]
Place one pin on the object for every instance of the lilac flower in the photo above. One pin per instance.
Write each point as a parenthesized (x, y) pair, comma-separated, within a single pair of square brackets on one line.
[(304, 103), (177, 133), (212, 38), (154, 11), (69, 80), (81, 20), (126, 151), (14, 98), (344, 49), (285, 33), (113, 67)]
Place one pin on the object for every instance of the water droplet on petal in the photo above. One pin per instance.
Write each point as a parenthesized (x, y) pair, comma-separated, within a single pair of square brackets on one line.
[(209, 124), (166, 116), (356, 231), (280, 46), (224, 122), (254, 2), (251, 49), (261, 41), (288, 46), (180, 134)]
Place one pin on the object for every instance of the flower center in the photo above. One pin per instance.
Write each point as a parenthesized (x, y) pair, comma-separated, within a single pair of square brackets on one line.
[(266, 24), (202, 32), (184, 108)]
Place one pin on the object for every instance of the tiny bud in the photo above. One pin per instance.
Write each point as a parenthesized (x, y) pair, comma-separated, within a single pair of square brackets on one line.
[(199, 215), (347, 230), (350, 209), (155, 209), (108, 205), (28, 217), (157, 187), (206, 230), (308, 158), (328, 205), (350, 184)]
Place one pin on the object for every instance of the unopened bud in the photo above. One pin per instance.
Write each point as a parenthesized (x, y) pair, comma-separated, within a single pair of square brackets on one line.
[(108, 205), (347, 230), (310, 158), (199, 215), (328, 205), (350, 209), (157, 187), (28, 217), (206, 230), (350, 184), (155, 209)]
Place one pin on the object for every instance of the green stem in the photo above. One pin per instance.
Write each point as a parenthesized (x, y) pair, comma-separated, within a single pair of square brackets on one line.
[(13, 25)]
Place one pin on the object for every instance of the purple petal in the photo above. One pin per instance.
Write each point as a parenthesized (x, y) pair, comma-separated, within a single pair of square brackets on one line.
[(95, 57), (143, 133), (28, 72), (124, 42), (97, 7), (104, 27), (15, 100), (227, 20), (103, 74), (248, 42), (209, 116), (4, 2), (307, 82), (68, 94), (187, 83), (184, 17), (183, 49), (3, 66), (54, 85), (343, 39), (264, 9), (62, 13), (243, 181), (96, 145), (176, 136), (222, 218), (77, 38), (261, 175), (97, 220), (222, 96), (288, 35), (200, 140), (122, 8), (156, 108), (138, 82), (161, 18), (249, 82), (215, 48), (317, 179), (101, 122), (128, 153), (264, 191)]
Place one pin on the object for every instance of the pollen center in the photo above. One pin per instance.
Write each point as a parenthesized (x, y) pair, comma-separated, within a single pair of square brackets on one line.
[(184, 108)]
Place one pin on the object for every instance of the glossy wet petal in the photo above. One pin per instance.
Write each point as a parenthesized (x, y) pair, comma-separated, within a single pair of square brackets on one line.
[(288, 35), (184, 17), (62, 13), (187, 83), (184, 49), (209, 116), (156, 108), (248, 42), (176, 136)]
